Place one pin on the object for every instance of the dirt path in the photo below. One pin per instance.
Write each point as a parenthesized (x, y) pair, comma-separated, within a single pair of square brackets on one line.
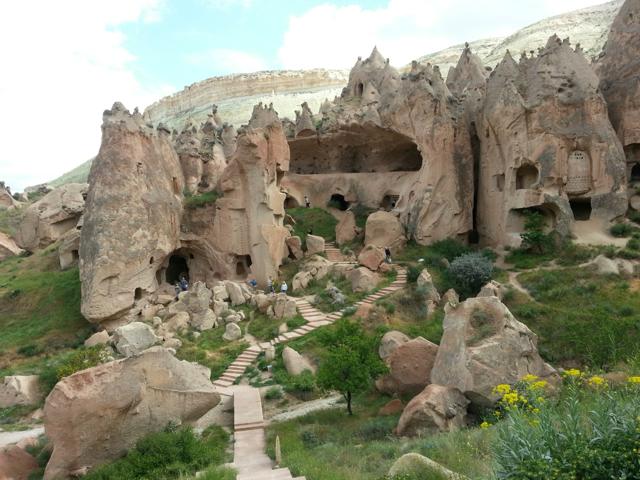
[(9, 438)]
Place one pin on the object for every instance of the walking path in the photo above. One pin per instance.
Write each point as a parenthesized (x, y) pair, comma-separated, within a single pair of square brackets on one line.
[(249, 458)]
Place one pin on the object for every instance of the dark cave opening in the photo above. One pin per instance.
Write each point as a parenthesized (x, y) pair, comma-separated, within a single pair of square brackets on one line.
[(177, 268), (526, 177), (338, 201), (581, 209)]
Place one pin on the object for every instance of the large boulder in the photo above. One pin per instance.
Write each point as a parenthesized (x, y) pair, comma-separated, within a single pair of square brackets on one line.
[(232, 332), (346, 229), (301, 281), (390, 342), (295, 363), (483, 345), (8, 247), (133, 338), (16, 463), (362, 279), (492, 289), (69, 248), (294, 244), (435, 409), (20, 390), (425, 282), (371, 257), (97, 415), (410, 367), (99, 338), (383, 229), (315, 244), (47, 220), (235, 293), (605, 265), (284, 307), (415, 465)]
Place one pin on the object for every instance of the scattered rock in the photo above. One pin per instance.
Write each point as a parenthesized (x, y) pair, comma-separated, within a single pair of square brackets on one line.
[(605, 265), (270, 353), (99, 338), (371, 257), (133, 338), (391, 408), (483, 345), (220, 292), (283, 328), (492, 289), (425, 283), (419, 466), (435, 409), (301, 281), (284, 307), (16, 463), (8, 247), (410, 366), (362, 279), (383, 229), (295, 363), (235, 293), (346, 229), (315, 245), (98, 414), (295, 247), (363, 311), (232, 332), (390, 342), (20, 390)]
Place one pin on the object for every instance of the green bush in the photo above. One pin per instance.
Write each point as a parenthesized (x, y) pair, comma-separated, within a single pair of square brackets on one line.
[(200, 200), (413, 272), (621, 230), (534, 239), (470, 272), (167, 455), (586, 436), (273, 393), (377, 428), (71, 363), (634, 216)]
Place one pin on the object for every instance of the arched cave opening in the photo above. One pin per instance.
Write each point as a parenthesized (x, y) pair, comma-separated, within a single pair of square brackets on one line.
[(389, 202), (338, 201), (526, 177), (177, 268), (367, 149), (581, 208), (137, 294), (359, 89), (243, 265), (635, 173), (290, 202)]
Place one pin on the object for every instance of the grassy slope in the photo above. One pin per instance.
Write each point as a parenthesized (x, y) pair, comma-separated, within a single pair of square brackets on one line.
[(80, 174), (321, 222), (39, 311)]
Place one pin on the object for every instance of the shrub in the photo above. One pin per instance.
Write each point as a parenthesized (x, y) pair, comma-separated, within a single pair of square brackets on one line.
[(413, 272), (634, 216), (449, 248), (533, 238), (167, 455), (633, 244), (470, 272), (377, 428), (200, 200), (274, 393), (621, 230), (75, 361)]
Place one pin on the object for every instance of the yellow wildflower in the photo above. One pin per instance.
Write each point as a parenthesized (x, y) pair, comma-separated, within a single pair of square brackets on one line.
[(510, 398), (502, 389), (536, 410), (529, 378), (541, 384), (597, 381), (572, 372), (635, 379), (485, 424)]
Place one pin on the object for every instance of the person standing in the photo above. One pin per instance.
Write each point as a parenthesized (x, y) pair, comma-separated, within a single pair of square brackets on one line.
[(307, 202), (284, 287), (270, 288), (387, 254)]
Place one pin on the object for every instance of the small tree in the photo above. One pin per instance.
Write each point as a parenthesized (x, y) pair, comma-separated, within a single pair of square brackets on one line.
[(533, 238), (351, 363), (470, 272)]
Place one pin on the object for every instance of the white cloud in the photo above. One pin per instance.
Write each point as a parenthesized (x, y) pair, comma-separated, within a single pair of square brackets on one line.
[(64, 62), (225, 60), (227, 4), (331, 36)]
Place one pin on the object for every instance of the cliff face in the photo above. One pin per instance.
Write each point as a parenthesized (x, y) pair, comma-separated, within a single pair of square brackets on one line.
[(588, 27), (236, 95)]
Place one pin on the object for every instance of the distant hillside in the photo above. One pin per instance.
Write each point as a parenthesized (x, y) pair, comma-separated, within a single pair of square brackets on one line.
[(77, 175), (588, 26)]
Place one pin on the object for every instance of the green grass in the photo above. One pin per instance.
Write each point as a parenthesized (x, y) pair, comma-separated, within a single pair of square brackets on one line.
[(39, 312), (580, 315), (211, 350), (201, 199), (80, 174), (265, 328), (174, 453), (12, 418), (321, 222), (10, 220), (362, 447)]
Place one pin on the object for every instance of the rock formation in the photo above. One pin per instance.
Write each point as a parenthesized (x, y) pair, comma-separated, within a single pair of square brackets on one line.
[(20, 390), (410, 365), (97, 415), (8, 246), (547, 145), (48, 219), (619, 73), (483, 345), (132, 219)]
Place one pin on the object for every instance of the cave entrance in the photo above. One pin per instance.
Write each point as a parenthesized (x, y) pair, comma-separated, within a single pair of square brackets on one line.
[(526, 177), (243, 265), (290, 202), (338, 201), (389, 202), (635, 173), (359, 89), (581, 209), (177, 268)]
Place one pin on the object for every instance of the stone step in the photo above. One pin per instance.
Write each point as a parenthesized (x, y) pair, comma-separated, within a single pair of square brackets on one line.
[(249, 426), (222, 383), (278, 474)]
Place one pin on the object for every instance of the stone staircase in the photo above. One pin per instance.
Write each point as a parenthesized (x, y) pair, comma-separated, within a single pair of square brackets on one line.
[(249, 458), (332, 252)]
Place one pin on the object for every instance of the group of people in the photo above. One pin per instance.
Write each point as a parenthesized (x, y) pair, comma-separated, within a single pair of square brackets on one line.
[(271, 286), (182, 285)]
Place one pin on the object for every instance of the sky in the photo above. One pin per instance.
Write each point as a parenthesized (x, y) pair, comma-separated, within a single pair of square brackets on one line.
[(63, 62)]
